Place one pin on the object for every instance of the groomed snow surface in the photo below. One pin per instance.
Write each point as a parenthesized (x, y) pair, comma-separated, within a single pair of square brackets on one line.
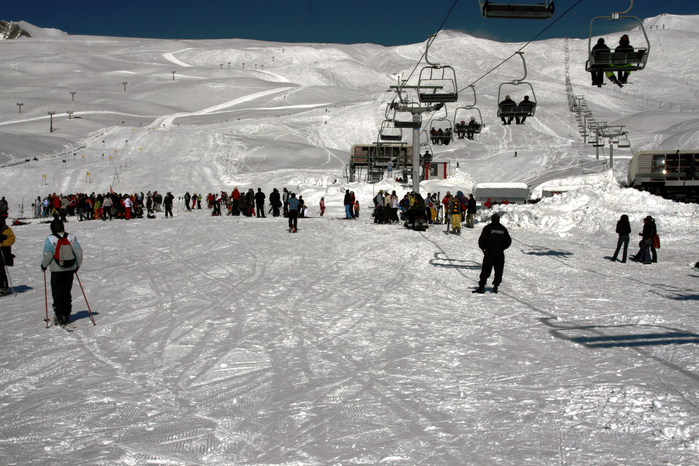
[(229, 340), (225, 340)]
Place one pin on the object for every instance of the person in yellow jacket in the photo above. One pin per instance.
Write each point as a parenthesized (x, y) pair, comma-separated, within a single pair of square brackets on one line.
[(7, 239)]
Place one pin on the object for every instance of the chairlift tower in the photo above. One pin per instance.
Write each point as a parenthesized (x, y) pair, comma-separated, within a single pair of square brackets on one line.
[(614, 134), (416, 124)]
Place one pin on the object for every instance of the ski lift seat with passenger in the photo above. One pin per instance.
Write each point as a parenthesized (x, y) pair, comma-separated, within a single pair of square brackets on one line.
[(469, 113), (441, 131), (517, 111), (614, 61), (610, 60), (517, 11)]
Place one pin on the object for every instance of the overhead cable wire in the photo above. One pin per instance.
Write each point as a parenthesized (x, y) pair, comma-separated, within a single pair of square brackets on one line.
[(441, 26), (524, 46)]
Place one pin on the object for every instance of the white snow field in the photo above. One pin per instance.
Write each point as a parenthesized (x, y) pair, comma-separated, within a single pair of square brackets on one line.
[(227, 340)]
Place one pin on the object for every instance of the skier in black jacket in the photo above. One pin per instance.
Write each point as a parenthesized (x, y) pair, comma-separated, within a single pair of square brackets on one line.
[(275, 202), (260, 202), (623, 229), (493, 241)]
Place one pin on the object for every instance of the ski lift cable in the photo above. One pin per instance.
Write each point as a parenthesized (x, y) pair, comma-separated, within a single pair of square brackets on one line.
[(524, 46), (441, 26)]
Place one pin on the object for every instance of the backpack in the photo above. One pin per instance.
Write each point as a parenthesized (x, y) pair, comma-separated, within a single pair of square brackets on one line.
[(64, 255)]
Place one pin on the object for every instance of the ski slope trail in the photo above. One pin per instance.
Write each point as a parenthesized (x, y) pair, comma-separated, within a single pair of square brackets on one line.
[(248, 345)]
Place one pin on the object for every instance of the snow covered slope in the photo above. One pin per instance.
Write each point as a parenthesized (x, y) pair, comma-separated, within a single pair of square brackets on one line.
[(241, 106)]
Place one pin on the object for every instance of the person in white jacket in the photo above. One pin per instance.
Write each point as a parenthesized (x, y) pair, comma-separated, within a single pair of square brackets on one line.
[(61, 275)]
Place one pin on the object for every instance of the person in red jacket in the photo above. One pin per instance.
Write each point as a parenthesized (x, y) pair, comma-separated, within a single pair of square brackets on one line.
[(447, 212)]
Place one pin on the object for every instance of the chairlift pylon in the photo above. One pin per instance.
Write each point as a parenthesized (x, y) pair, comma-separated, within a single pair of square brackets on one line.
[(517, 11)]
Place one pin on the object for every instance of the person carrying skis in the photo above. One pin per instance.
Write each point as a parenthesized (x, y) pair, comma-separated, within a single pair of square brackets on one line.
[(63, 268), (7, 239)]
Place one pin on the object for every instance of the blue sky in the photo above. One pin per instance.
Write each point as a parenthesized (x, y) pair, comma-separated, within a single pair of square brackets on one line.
[(385, 22)]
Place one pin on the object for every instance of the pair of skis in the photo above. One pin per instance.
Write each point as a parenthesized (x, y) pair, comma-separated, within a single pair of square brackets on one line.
[(46, 297)]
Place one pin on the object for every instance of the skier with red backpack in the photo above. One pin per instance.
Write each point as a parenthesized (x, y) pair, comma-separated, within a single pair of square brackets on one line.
[(63, 256)]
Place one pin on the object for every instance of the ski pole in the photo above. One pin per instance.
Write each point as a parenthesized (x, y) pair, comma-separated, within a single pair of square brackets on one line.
[(7, 273), (88, 304), (46, 297)]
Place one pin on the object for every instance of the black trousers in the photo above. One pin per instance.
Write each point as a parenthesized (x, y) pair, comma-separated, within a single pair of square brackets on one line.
[(492, 260), (61, 286), (293, 219)]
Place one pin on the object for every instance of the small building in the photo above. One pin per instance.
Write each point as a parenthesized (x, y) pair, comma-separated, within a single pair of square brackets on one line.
[(436, 170), (514, 193)]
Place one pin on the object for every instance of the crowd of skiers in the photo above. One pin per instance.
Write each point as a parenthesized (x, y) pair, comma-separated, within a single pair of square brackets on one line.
[(418, 211), (113, 205)]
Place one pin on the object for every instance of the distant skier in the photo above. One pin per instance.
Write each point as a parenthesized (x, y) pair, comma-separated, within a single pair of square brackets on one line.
[(294, 205), (167, 202), (493, 241), (260, 202), (471, 210), (275, 202), (348, 204)]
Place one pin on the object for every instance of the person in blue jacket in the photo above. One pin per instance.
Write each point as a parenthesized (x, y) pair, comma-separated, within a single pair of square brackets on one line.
[(293, 212)]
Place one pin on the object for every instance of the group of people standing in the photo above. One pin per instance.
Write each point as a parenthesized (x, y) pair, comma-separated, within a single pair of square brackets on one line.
[(648, 245)]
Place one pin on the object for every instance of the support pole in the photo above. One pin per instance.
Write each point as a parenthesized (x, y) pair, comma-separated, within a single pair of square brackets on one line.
[(417, 119), (46, 298), (85, 296)]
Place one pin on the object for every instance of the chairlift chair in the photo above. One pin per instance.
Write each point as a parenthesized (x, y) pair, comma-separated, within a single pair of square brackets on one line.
[(617, 61), (517, 111), (461, 114), (436, 83), (462, 125), (440, 131), (389, 132), (402, 116), (517, 11)]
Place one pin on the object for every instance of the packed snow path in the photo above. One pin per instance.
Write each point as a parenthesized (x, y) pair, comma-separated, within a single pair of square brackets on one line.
[(225, 340)]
